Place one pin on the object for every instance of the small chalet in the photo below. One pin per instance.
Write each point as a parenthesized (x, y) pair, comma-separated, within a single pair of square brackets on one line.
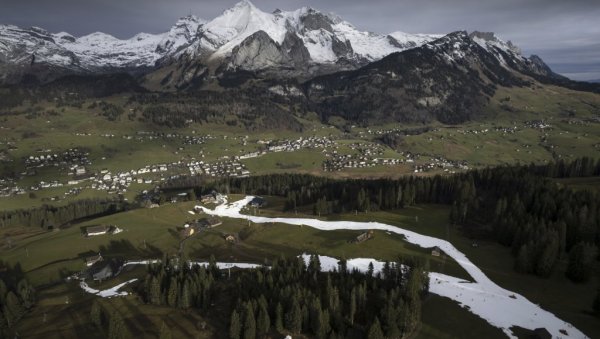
[(230, 238), (212, 197), (258, 202), (89, 261), (363, 237), (105, 271), (96, 230), (80, 170), (187, 232), (436, 251), (209, 222)]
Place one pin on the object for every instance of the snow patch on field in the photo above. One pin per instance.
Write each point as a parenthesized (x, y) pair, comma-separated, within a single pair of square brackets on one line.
[(226, 265), (108, 293), (500, 307)]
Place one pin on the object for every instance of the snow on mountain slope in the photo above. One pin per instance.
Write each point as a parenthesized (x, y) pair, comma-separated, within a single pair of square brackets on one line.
[(180, 36), (18, 46), (239, 22), (103, 50), (325, 38)]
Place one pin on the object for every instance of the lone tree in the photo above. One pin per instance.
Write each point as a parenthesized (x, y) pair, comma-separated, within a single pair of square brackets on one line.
[(234, 325), (581, 262), (249, 322), (375, 332), (596, 305)]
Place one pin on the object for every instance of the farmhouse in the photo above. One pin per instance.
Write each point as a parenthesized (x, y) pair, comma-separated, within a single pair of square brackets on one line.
[(258, 202), (89, 261), (230, 238), (96, 230), (363, 237), (209, 222), (105, 271), (187, 232), (212, 197), (80, 170), (209, 198)]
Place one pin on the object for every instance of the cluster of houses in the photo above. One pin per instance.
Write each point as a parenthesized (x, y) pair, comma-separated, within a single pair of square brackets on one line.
[(8, 188), (438, 162), (582, 121), (338, 162), (401, 131), (72, 158), (537, 124), (286, 145), (368, 155), (224, 168)]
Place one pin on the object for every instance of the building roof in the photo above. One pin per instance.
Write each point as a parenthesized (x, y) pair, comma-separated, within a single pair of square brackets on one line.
[(93, 258), (97, 229)]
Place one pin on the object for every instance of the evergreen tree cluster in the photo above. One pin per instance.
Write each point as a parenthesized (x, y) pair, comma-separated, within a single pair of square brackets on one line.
[(17, 297), (109, 321), (294, 298), (540, 220), (55, 216), (518, 206), (175, 284)]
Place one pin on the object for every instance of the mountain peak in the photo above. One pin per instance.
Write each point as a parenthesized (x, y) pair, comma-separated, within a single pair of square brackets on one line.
[(489, 40), (244, 4)]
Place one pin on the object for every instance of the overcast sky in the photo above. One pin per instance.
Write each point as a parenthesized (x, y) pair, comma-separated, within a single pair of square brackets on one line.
[(565, 33)]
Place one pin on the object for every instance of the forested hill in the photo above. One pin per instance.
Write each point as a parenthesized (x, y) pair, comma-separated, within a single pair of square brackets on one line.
[(517, 206), (294, 297)]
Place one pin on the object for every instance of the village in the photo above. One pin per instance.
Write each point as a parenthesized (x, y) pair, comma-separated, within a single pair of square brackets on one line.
[(77, 172)]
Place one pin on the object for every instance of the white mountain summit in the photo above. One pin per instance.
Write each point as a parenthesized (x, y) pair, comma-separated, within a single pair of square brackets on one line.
[(242, 37)]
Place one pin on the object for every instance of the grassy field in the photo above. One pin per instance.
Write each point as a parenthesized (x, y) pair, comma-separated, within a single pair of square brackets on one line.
[(47, 257), (478, 143)]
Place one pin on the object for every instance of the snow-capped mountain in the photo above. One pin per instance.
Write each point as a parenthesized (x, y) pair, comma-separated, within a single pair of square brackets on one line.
[(326, 37), (312, 36)]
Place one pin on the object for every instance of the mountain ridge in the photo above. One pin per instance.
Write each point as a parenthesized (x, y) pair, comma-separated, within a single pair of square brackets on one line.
[(328, 38)]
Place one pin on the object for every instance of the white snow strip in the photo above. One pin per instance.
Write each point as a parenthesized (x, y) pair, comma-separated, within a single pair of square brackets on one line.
[(500, 307), (108, 293), (226, 265), (141, 262)]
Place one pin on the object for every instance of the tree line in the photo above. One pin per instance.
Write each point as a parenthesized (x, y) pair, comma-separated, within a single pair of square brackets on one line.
[(47, 216), (294, 297), (17, 297), (517, 206), (108, 321)]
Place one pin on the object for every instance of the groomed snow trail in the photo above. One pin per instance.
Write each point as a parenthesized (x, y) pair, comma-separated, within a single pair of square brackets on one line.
[(108, 293), (498, 306)]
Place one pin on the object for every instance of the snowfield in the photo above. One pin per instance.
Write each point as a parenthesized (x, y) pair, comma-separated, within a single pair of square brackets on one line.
[(498, 306), (109, 293)]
